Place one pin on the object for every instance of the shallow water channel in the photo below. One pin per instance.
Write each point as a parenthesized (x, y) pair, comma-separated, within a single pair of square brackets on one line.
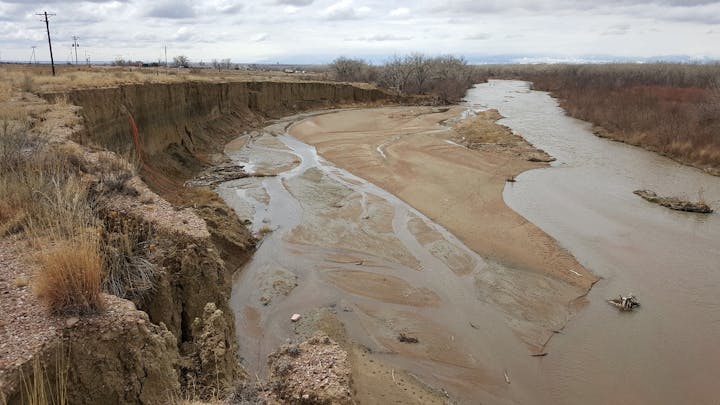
[(337, 246), (667, 352)]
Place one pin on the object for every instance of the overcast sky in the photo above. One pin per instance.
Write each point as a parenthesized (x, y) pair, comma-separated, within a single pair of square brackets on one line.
[(302, 31)]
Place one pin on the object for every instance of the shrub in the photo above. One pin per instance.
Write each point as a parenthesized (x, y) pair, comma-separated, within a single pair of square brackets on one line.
[(125, 248), (69, 277), (28, 84)]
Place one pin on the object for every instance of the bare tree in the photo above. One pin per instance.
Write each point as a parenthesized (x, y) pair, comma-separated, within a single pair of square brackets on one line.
[(348, 70), (181, 61), (420, 70), (395, 74)]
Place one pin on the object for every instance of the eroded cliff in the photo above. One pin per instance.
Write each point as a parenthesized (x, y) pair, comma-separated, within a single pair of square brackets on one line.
[(180, 333)]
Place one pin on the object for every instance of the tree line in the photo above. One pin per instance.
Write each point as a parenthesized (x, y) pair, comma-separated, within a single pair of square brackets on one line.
[(444, 78), (670, 108)]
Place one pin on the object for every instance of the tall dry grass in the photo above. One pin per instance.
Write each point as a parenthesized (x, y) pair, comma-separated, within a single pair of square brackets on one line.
[(70, 276), (672, 109), (5, 90), (42, 194), (46, 386)]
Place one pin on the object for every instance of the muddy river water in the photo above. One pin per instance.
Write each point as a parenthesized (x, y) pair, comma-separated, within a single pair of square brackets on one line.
[(337, 244), (667, 352)]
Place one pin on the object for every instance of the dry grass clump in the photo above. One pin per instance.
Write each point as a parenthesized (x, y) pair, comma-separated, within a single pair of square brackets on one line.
[(70, 276), (126, 248), (483, 129), (672, 109), (5, 90)]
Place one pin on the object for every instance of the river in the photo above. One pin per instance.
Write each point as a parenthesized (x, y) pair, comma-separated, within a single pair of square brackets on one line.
[(665, 353), (337, 245)]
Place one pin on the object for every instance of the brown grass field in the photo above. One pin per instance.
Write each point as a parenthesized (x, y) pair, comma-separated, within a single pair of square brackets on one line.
[(39, 78)]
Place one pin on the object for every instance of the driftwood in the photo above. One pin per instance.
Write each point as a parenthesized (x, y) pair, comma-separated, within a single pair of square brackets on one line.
[(407, 339), (218, 174), (625, 303), (674, 203)]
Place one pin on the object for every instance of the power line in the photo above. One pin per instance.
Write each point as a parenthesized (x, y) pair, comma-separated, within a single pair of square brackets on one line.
[(75, 45), (47, 26)]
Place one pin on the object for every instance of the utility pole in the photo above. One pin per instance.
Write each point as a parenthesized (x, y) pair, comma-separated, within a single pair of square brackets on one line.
[(47, 26), (33, 59), (166, 65), (75, 45)]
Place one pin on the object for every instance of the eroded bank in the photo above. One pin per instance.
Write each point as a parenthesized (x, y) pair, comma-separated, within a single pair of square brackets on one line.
[(170, 132)]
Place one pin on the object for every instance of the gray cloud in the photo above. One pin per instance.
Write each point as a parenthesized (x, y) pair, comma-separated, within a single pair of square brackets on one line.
[(345, 10), (64, 2), (207, 29), (381, 38), (478, 37), (172, 10), (665, 8), (297, 3), (618, 29), (260, 37)]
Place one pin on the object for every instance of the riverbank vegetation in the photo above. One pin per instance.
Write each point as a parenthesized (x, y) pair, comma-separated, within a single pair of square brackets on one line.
[(672, 109), (443, 78)]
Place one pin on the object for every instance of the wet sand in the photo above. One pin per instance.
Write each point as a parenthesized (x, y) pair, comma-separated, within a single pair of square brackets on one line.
[(446, 263), (404, 151)]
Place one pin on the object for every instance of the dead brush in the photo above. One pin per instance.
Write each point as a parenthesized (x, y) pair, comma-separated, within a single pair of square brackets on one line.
[(114, 173), (5, 90), (27, 84), (69, 278), (126, 249)]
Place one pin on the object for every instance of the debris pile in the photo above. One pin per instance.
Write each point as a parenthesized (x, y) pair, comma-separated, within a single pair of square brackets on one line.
[(675, 203), (407, 339), (316, 371), (218, 174), (625, 303)]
